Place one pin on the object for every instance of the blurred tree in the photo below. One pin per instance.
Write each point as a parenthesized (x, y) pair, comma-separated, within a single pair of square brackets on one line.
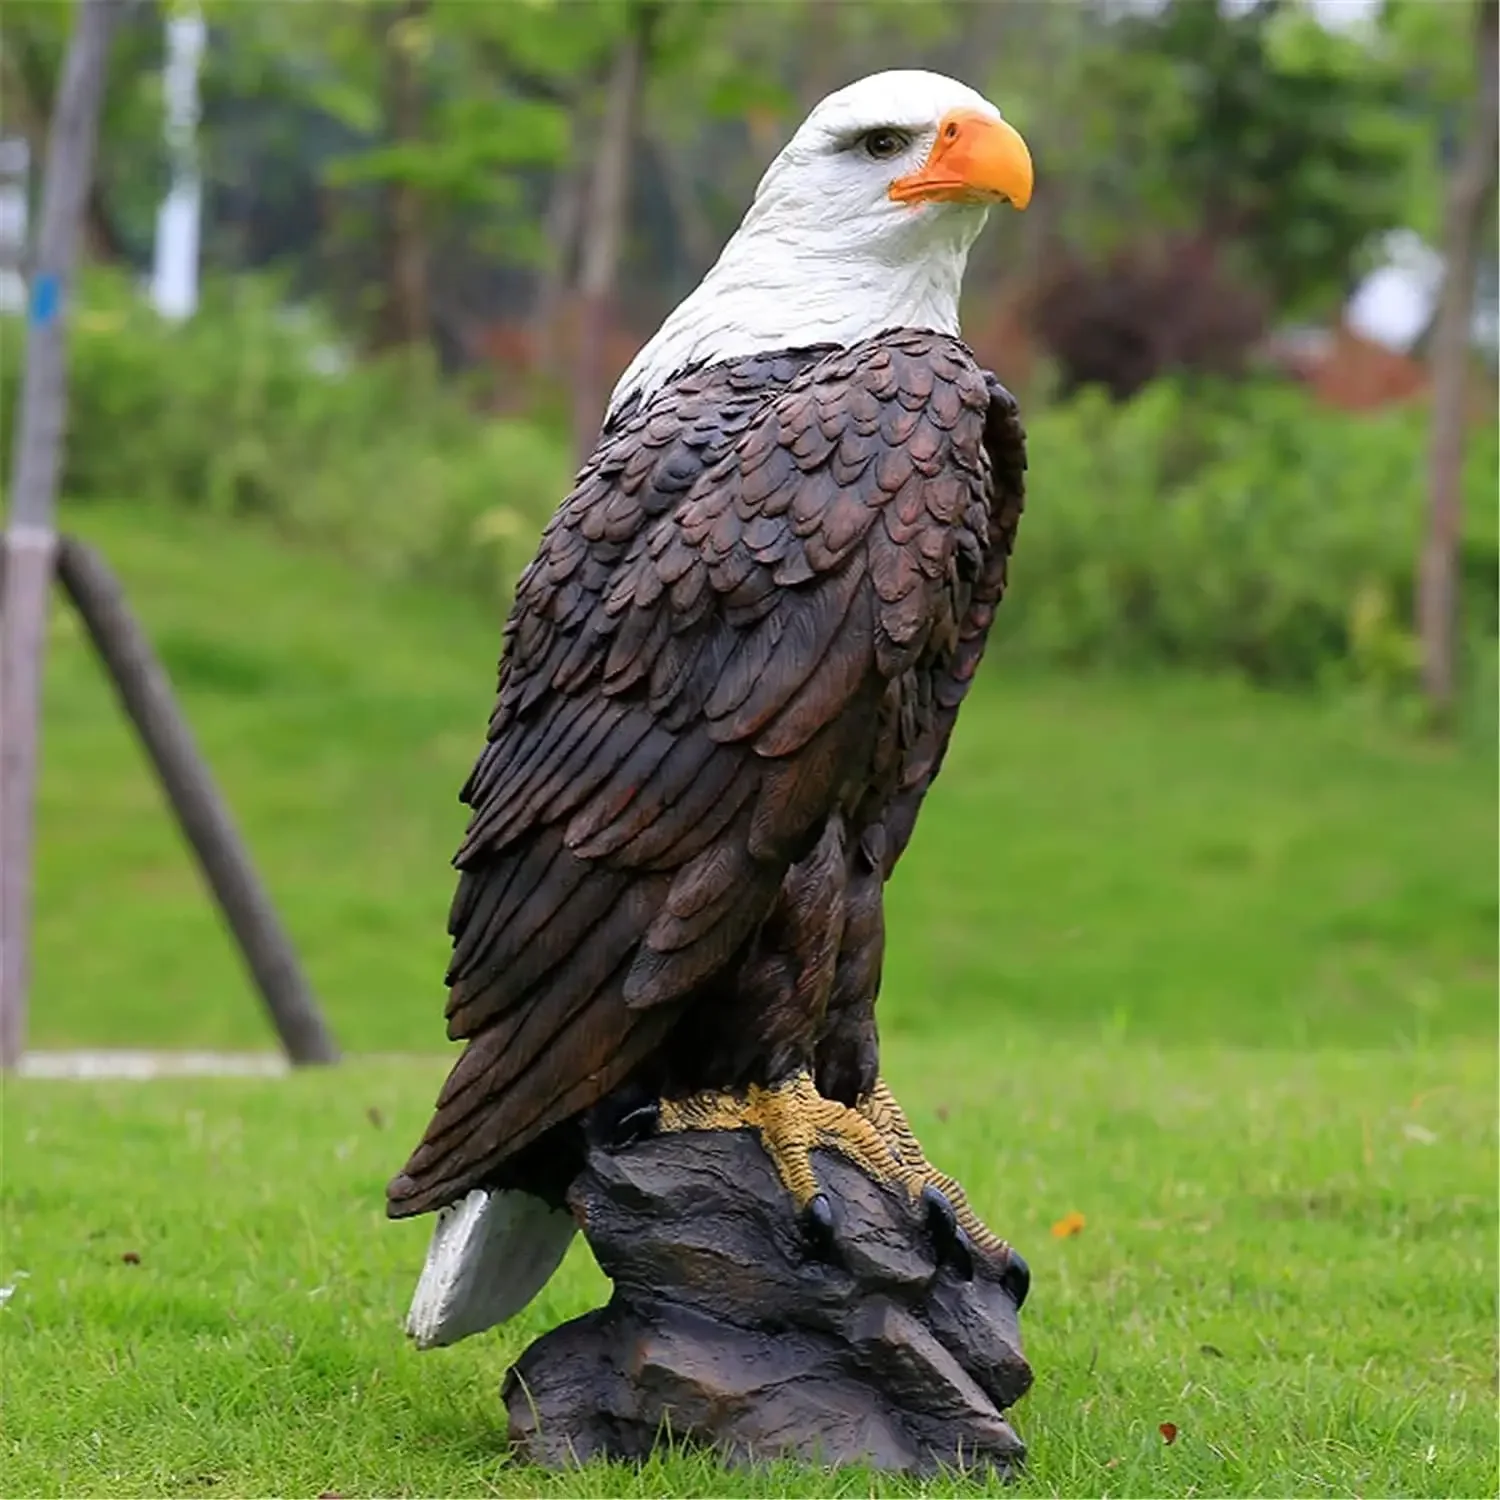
[(428, 166), (1431, 48), (404, 316), (1256, 126), (440, 110), (602, 226), (131, 171), (1267, 149), (1470, 188)]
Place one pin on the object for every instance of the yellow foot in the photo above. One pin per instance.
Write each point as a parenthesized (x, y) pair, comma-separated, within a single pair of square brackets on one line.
[(880, 1109), (791, 1118)]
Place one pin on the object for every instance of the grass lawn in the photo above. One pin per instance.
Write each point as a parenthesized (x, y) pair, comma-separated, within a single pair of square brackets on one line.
[(1186, 861), (1291, 1256), (1212, 967)]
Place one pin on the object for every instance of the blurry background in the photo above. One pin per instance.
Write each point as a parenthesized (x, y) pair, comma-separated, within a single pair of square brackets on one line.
[(1195, 943), (1200, 791)]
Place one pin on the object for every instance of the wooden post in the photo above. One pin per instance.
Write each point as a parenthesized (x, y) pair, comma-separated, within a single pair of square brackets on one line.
[(41, 414), (147, 697), (1437, 571), (30, 551)]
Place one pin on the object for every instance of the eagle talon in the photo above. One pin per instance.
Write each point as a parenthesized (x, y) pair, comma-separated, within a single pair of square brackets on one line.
[(818, 1225), (1016, 1278), (953, 1246), (636, 1125)]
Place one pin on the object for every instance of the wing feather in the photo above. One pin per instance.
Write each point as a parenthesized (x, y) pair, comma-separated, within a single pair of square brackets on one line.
[(693, 678)]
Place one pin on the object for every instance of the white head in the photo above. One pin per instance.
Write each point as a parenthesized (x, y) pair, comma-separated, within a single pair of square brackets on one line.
[(863, 222)]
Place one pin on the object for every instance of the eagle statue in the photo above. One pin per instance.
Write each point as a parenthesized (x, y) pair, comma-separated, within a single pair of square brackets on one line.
[(728, 679)]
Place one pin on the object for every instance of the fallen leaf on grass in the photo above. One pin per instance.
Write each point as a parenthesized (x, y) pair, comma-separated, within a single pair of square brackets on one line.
[(1168, 1432), (1212, 1349), (374, 1116), (131, 1258), (1113, 1463), (1419, 1133), (1069, 1225), (942, 1113)]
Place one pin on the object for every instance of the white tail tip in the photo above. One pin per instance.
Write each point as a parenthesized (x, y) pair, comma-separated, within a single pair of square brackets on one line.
[(490, 1255)]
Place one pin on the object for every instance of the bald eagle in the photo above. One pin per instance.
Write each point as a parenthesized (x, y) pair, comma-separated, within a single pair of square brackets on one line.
[(728, 679)]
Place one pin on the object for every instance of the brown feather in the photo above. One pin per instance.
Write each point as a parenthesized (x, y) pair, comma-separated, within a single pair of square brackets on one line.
[(616, 794), (844, 667), (810, 624), (715, 658), (674, 774)]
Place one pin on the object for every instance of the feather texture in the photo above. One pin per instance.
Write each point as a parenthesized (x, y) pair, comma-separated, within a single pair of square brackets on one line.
[(728, 679)]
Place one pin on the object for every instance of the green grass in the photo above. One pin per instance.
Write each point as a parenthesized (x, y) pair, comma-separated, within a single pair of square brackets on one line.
[(1173, 859), (1289, 1255), (1212, 967)]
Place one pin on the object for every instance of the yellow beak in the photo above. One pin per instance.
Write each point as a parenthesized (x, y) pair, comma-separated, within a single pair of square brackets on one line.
[(975, 159)]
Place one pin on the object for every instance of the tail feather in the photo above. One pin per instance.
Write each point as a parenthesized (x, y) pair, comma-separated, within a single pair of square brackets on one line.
[(490, 1255)]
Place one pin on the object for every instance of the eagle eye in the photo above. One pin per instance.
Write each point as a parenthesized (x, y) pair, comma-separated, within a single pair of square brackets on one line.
[(882, 143)]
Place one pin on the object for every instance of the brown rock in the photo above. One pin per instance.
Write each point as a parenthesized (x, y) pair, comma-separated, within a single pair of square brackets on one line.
[(728, 1328)]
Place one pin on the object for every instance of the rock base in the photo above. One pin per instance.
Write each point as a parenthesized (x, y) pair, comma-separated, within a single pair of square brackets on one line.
[(728, 1329)]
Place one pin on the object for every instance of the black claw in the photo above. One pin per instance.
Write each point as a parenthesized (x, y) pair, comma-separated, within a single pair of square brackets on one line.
[(817, 1224), (1017, 1278), (953, 1247), (636, 1125)]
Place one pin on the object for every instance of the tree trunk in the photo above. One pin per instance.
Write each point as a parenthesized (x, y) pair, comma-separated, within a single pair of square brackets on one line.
[(1437, 574), (406, 317), (102, 242), (695, 233), (604, 222), (564, 216), (37, 452), (822, 54), (28, 89)]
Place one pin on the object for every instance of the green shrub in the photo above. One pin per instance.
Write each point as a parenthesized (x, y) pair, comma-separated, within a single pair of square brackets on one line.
[(1243, 526), (1240, 526), (245, 409)]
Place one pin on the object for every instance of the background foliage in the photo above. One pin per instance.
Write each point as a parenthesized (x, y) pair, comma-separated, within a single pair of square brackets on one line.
[(401, 345), (1205, 964), (1201, 523)]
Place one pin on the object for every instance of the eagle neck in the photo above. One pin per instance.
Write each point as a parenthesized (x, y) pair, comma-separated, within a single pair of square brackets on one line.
[(755, 302)]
